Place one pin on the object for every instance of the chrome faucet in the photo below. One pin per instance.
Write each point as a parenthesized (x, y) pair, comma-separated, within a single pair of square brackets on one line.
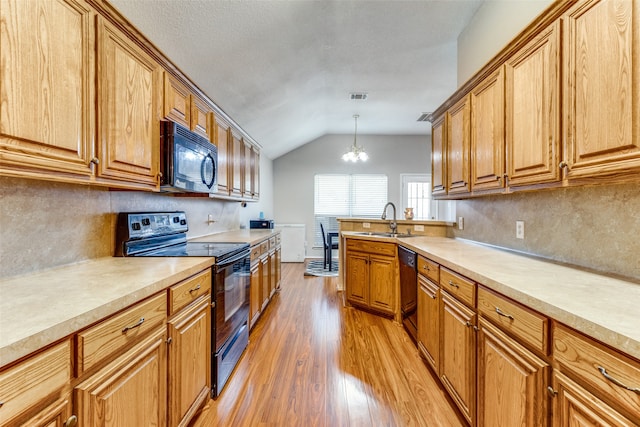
[(393, 224)]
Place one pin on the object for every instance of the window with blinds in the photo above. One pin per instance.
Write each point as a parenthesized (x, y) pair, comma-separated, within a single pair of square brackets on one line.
[(362, 196)]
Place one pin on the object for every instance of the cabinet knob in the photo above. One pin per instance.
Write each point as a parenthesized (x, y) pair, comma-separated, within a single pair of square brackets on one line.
[(95, 161), (72, 421), (169, 340), (551, 391), (563, 165)]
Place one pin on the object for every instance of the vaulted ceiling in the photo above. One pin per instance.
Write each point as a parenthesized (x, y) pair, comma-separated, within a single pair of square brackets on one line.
[(284, 69)]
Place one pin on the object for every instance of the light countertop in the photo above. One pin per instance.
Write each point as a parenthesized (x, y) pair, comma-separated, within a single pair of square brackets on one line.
[(40, 308), (605, 308)]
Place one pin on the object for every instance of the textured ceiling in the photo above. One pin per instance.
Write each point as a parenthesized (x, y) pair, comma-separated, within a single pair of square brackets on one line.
[(284, 69)]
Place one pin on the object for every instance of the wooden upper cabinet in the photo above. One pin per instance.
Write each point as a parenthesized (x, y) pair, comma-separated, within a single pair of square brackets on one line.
[(438, 157), (47, 87), (458, 146), (247, 188), (222, 136), (201, 118), (487, 133), (129, 94), (237, 162), (255, 172), (533, 138), (602, 87), (177, 101)]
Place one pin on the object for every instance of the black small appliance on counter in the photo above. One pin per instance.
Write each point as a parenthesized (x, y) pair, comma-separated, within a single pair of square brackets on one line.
[(261, 223)]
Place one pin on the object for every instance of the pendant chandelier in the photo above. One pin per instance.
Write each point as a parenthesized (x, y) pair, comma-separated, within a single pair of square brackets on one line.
[(355, 153)]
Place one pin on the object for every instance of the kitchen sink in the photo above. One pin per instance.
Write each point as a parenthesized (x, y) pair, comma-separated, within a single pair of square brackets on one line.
[(383, 234)]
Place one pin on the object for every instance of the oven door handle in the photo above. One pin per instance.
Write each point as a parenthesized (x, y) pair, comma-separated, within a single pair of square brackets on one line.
[(232, 260)]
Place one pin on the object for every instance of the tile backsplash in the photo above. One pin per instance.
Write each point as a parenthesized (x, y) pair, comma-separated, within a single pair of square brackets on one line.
[(596, 227), (45, 224)]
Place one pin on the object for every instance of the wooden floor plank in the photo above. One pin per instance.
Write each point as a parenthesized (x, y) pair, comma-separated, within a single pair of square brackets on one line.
[(313, 362)]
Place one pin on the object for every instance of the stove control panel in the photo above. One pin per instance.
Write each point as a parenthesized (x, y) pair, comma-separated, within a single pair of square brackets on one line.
[(139, 225)]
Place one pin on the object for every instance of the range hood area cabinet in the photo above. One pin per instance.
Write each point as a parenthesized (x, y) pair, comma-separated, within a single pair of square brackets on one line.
[(521, 123), (95, 117)]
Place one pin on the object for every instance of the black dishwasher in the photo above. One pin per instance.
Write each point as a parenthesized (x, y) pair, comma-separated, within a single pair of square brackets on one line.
[(409, 290)]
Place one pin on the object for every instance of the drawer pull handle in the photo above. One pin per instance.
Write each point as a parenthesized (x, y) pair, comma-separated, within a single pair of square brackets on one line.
[(197, 288), (72, 421), (140, 322), (502, 313), (616, 381), (455, 285)]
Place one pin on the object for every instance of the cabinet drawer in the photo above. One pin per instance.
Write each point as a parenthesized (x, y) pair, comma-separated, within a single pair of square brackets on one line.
[(463, 288), (255, 252), (429, 269), (28, 382), (278, 239), (272, 242), (108, 336), (264, 247), (512, 317), (592, 363), (372, 246), (183, 293)]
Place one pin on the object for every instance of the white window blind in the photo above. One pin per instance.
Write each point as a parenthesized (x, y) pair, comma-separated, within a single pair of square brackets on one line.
[(362, 196)]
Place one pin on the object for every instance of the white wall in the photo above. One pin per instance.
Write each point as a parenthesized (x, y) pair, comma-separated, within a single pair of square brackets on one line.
[(293, 173), (493, 26)]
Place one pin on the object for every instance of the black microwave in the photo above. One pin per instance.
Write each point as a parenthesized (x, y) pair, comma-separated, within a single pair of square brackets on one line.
[(188, 161)]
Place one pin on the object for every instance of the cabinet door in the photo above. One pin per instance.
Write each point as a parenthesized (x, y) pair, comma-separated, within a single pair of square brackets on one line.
[(237, 161), (533, 111), (438, 156), (255, 303), (602, 87), (382, 283), (458, 357), (255, 172), (46, 87), (278, 267), (487, 133), (222, 135), (274, 273), (130, 391), (429, 321), (201, 118), (177, 101), (357, 278), (266, 279), (458, 147), (189, 360), (512, 381), (129, 89), (247, 189), (575, 406)]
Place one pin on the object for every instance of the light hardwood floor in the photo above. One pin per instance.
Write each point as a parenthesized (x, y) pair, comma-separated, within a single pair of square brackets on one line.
[(312, 362)]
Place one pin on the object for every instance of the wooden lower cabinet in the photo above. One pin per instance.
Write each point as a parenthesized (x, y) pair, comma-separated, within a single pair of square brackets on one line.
[(458, 354), (429, 321), (512, 381), (266, 278), (189, 360), (129, 391), (278, 267), (372, 281), (576, 406), (57, 414), (273, 275), (254, 293)]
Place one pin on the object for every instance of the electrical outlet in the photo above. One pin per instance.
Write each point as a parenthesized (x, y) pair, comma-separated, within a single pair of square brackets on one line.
[(460, 223), (418, 227), (366, 225), (519, 229)]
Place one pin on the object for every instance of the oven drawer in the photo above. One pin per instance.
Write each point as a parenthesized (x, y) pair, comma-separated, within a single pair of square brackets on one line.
[(189, 290), (108, 336), (587, 360)]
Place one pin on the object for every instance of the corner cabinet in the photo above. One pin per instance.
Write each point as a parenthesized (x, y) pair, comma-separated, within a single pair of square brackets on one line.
[(372, 275), (129, 103)]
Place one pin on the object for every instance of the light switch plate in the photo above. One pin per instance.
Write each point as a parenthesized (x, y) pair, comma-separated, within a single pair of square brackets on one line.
[(366, 225), (418, 227), (460, 223), (519, 229)]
